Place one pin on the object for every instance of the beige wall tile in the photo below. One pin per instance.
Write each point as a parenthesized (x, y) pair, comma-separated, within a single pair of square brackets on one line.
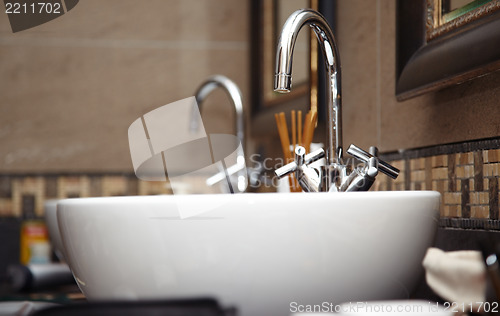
[(6, 208), (479, 198), (464, 171), (30, 185), (492, 155), (72, 87), (399, 187), (469, 172), (452, 198), (452, 211), (16, 197), (114, 185), (491, 170), (73, 186), (418, 175), (153, 188), (439, 161), (417, 164), (480, 212), (439, 173), (464, 158)]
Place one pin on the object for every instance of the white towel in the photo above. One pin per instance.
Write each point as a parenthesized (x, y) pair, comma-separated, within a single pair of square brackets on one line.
[(458, 276)]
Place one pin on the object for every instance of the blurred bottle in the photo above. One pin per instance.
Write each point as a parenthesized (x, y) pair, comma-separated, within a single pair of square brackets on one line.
[(34, 243)]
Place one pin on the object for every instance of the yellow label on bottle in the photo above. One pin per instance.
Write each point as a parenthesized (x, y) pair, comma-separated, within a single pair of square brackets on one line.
[(32, 233)]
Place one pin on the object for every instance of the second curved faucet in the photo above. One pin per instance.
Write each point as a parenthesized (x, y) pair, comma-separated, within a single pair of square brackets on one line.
[(235, 96), (234, 93)]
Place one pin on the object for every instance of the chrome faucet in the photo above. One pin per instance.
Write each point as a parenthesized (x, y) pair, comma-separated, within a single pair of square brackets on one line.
[(333, 176), (234, 93), (283, 77)]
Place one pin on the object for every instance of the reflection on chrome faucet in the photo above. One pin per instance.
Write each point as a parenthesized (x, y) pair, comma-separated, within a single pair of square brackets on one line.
[(334, 176), (235, 174)]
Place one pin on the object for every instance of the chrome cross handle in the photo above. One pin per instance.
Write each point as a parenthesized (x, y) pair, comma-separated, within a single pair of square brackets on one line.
[(363, 177), (309, 177), (312, 178), (383, 166)]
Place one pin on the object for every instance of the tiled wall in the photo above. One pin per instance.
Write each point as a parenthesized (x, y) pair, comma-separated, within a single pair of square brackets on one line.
[(24, 195), (466, 175)]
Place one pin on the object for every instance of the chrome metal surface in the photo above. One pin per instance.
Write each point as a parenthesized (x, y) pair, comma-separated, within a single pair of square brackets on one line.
[(283, 77), (334, 176), (308, 177), (361, 179), (234, 93), (307, 159), (383, 166)]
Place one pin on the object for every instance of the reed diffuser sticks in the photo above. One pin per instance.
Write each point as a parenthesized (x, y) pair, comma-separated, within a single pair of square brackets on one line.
[(300, 137)]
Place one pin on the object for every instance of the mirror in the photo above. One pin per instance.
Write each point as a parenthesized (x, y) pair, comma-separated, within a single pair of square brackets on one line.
[(268, 18), (452, 9), (432, 54), (309, 78), (447, 15), (275, 14)]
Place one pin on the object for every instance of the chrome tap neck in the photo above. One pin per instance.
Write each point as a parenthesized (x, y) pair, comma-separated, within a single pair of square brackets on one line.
[(334, 176), (235, 96), (283, 77)]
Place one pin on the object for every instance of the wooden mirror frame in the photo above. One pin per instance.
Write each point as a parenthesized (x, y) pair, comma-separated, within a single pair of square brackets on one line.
[(468, 50)]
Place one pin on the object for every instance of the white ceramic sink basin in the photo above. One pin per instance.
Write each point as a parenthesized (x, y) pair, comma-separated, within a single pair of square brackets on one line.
[(50, 207), (257, 252)]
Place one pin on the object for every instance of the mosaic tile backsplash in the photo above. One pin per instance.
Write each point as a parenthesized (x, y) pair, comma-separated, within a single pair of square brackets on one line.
[(467, 180), (24, 195)]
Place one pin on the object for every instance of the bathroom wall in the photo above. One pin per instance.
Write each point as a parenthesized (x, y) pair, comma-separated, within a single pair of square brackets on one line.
[(445, 141), (372, 115), (71, 88)]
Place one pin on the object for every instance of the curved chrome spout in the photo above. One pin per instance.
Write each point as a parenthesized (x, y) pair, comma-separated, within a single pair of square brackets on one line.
[(234, 94), (283, 77), (335, 176), (236, 172)]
